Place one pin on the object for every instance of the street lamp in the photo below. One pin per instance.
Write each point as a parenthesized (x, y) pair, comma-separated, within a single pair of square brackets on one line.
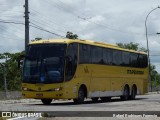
[(149, 76)]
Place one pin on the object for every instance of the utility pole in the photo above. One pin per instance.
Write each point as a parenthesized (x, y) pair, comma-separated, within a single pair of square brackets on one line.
[(26, 24)]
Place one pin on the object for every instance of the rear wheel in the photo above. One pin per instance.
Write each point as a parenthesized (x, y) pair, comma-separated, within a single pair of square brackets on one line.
[(125, 95), (133, 93), (46, 101), (81, 96)]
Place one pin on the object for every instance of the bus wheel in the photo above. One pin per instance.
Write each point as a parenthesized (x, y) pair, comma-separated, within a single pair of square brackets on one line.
[(105, 99), (46, 101), (81, 96), (133, 93), (125, 95), (95, 99)]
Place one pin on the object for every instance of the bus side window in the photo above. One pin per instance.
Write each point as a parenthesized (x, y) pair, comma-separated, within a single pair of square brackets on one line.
[(84, 54), (117, 57), (107, 56), (142, 61), (97, 55), (71, 61), (125, 58), (133, 60), (145, 59)]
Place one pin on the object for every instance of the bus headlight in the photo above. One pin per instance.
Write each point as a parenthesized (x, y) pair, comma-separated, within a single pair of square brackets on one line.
[(56, 89), (24, 88)]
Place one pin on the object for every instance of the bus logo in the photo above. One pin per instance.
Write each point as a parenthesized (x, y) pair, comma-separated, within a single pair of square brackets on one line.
[(135, 72)]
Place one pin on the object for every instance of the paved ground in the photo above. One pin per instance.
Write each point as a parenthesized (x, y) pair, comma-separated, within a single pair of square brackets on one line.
[(143, 103)]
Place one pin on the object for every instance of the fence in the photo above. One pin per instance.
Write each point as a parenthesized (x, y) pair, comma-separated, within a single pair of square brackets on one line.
[(10, 95)]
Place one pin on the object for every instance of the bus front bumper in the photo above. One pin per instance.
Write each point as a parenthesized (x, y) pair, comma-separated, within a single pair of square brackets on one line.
[(43, 95)]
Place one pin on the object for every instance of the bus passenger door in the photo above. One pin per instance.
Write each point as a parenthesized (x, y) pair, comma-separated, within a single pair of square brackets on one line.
[(70, 69)]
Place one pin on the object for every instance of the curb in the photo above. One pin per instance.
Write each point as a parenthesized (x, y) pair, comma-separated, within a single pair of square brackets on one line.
[(149, 93)]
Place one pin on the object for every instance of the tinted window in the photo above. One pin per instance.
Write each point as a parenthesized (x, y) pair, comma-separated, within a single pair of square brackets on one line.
[(117, 57), (125, 58), (133, 60), (107, 56), (44, 63), (84, 54), (96, 53), (145, 59), (142, 61)]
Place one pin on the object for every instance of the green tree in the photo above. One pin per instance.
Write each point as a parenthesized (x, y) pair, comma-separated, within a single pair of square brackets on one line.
[(154, 75), (38, 38), (130, 46), (70, 35), (12, 72)]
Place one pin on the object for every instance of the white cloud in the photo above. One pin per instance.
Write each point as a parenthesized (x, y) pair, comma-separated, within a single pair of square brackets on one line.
[(104, 20), (88, 36)]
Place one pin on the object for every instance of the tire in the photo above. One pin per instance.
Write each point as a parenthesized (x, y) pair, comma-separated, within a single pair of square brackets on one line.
[(106, 99), (95, 99), (125, 95), (46, 101), (133, 93), (81, 96)]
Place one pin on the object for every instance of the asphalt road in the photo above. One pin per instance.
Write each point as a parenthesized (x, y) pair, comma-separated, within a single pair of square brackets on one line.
[(115, 107)]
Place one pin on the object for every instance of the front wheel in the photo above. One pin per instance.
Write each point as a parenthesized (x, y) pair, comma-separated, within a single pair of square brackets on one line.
[(81, 96), (46, 101)]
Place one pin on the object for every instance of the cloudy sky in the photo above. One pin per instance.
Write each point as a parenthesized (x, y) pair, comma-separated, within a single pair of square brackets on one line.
[(110, 21)]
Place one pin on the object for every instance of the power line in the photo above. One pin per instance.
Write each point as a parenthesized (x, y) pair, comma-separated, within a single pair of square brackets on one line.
[(2, 21), (7, 36), (47, 20), (46, 25), (40, 28), (34, 26), (64, 6)]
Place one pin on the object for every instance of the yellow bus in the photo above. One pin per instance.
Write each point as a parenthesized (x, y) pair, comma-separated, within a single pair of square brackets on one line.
[(79, 69)]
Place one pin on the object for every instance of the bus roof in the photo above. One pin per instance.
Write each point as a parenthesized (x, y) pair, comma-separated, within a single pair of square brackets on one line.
[(89, 42)]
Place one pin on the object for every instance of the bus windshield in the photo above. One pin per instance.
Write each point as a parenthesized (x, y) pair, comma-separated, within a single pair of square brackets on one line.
[(44, 63)]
